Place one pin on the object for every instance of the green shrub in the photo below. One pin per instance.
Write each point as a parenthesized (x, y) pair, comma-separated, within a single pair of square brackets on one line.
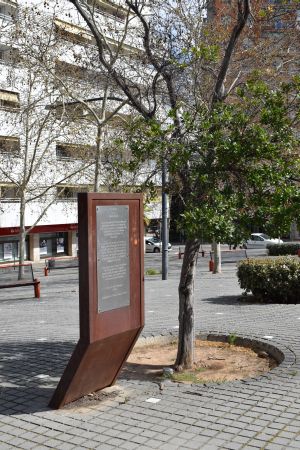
[(283, 249), (271, 279), (152, 272)]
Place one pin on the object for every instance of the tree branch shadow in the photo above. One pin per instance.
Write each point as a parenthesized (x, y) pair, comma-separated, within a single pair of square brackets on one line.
[(29, 373)]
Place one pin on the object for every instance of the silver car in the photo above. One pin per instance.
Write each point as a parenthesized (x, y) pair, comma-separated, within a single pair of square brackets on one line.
[(260, 240), (154, 245)]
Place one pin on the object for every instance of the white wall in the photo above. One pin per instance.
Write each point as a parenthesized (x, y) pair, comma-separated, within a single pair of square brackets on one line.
[(60, 213)]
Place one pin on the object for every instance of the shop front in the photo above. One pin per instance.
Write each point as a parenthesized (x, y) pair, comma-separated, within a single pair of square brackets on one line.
[(43, 241), (9, 249), (53, 244)]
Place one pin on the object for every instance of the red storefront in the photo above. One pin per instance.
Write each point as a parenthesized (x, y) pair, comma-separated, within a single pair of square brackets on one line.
[(41, 242)]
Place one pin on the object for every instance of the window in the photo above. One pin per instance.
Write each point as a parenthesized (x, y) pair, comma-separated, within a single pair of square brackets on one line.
[(119, 120), (9, 100), (75, 151), (73, 110), (53, 244), (9, 55), (9, 193), (278, 24), (70, 192), (9, 145), (72, 32), (9, 248), (125, 49), (257, 238), (67, 70)]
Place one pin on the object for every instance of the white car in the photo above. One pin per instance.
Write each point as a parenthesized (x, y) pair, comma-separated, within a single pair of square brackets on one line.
[(154, 245), (260, 240)]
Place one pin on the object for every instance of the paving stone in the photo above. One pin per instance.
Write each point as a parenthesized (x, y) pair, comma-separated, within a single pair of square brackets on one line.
[(247, 433), (65, 446), (112, 432), (250, 447), (154, 443), (15, 441), (240, 439), (197, 444), (105, 447), (129, 445), (233, 446), (281, 441), (273, 446), (27, 445), (41, 447), (253, 414)]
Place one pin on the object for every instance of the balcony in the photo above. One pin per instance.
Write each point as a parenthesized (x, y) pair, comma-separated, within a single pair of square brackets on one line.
[(8, 9)]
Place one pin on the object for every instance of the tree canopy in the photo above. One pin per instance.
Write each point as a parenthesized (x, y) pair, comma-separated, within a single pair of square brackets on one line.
[(236, 165)]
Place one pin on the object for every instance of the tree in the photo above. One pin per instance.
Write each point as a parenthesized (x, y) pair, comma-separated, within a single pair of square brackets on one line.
[(189, 75), (64, 98), (28, 157), (243, 169), (30, 167)]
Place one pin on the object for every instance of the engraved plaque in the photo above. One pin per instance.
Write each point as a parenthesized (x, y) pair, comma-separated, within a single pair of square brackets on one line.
[(113, 257)]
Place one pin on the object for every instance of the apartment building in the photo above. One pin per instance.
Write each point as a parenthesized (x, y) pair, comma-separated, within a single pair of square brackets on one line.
[(51, 120)]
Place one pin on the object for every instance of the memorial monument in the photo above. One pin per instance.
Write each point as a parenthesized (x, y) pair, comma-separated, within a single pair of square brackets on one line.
[(111, 292)]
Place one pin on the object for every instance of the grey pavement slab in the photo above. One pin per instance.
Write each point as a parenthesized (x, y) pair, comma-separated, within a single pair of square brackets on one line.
[(38, 337)]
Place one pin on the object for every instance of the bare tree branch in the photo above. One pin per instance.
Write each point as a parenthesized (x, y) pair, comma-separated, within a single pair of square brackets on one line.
[(242, 17)]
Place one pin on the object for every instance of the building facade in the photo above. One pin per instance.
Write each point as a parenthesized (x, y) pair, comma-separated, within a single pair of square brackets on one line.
[(57, 114)]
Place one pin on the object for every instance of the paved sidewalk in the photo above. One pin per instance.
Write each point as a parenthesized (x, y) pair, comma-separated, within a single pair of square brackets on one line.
[(37, 338)]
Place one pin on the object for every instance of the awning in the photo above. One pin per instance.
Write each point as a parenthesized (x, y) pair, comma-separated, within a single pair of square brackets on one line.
[(73, 29), (9, 139), (12, 3), (9, 96), (124, 48)]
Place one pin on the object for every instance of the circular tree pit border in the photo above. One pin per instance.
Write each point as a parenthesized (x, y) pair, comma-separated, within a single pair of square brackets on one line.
[(282, 354)]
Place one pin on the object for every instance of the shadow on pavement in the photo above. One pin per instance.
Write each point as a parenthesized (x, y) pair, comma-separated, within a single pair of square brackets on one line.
[(29, 373), (227, 300)]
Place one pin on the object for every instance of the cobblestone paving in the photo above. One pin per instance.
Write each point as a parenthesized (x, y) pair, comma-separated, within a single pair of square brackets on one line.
[(37, 338)]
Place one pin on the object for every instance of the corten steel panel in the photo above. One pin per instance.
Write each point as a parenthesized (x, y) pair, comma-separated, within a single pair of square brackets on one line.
[(106, 338)]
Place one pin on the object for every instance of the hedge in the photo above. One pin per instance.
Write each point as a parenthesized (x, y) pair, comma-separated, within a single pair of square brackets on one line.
[(283, 249), (271, 279)]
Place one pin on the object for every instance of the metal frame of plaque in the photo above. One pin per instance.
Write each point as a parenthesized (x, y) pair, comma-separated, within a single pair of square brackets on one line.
[(111, 292)]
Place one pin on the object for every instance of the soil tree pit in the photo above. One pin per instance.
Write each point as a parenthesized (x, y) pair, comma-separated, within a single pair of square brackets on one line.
[(214, 362)]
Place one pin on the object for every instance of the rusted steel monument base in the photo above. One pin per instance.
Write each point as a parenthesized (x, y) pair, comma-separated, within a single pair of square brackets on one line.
[(111, 296)]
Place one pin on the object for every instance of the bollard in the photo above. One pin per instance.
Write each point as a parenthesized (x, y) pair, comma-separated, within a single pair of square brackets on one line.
[(179, 253), (37, 289), (211, 265), (203, 253), (46, 271)]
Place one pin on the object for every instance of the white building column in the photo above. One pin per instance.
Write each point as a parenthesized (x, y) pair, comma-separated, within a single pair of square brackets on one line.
[(72, 243), (34, 247)]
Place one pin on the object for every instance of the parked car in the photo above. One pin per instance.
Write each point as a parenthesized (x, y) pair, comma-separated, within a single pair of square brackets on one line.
[(154, 245), (260, 240)]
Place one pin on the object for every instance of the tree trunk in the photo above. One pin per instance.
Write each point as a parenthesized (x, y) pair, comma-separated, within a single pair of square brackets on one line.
[(217, 257), (185, 352), (98, 159)]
